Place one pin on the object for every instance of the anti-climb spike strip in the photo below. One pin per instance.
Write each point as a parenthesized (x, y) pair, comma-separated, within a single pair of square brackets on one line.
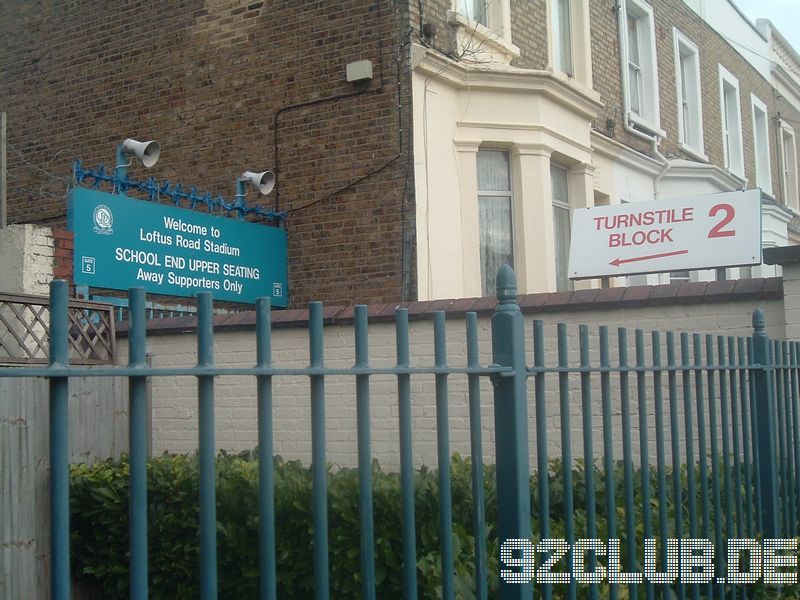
[(193, 197), (177, 194), (151, 187), (94, 177)]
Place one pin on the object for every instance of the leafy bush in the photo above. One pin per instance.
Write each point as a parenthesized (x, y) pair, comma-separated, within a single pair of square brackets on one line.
[(99, 526)]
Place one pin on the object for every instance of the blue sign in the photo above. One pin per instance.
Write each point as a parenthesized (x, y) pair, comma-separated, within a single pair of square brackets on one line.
[(122, 243)]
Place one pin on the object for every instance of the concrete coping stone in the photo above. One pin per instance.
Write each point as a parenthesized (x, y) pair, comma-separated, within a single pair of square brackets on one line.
[(781, 255), (742, 290)]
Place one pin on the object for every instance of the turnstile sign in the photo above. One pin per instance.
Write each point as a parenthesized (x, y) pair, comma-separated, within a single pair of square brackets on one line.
[(695, 232)]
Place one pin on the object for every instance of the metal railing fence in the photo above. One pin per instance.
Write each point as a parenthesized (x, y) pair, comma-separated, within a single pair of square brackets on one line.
[(718, 413)]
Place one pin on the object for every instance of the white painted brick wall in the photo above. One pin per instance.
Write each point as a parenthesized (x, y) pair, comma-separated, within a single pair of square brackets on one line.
[(12, 247), (175, 399), (791, 298), (38, 265), (27, 259)]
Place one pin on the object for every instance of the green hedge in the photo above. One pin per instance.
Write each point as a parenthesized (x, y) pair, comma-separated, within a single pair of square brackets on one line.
[(99, 527)]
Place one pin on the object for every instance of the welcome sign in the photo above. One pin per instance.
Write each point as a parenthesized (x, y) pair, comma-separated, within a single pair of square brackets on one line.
[(121, 243)]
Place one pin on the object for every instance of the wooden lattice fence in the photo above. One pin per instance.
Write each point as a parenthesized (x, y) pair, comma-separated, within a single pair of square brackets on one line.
[(24, 331)]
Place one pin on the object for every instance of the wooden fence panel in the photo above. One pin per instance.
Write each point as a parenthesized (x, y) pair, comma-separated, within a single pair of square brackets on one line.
[(98, 430)]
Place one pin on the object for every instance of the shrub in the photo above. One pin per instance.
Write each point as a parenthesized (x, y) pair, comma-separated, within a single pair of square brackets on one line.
[(99, 526)]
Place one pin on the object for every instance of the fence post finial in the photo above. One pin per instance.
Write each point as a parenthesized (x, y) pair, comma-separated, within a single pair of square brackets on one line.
[(506, 284), (759, 323)]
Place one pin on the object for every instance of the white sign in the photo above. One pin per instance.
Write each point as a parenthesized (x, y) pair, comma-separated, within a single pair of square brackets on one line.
[(695, 232)]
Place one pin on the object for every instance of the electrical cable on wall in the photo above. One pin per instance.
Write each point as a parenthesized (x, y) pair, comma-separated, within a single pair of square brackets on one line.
[(387, 164), (756, 53), (350, 185), (64, 180), (39, 191), (401, 56), (333, 98)]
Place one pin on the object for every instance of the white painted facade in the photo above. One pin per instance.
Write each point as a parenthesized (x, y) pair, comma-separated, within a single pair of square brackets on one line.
[(537, 117), (541, 118)]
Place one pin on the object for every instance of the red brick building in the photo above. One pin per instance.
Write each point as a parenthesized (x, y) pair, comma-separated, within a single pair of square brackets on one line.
[(380, 178)]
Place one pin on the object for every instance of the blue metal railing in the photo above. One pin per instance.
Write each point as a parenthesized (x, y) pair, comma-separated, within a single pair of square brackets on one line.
[(59, 442), (740, 412)]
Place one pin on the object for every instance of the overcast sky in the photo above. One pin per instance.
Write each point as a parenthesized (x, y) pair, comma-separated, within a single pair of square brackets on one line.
[(784, 14)]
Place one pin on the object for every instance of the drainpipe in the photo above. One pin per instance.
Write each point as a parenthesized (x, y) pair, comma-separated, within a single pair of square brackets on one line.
[(665, 166), (655, 140), (626, 109)]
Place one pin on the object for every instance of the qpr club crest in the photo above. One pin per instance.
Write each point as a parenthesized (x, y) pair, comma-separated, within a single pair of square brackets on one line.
[(103, 219)]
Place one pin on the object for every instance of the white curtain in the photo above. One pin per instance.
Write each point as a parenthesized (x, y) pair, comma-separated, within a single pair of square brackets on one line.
[(494, 207), (497, 246), (562, 45), (561, 226)]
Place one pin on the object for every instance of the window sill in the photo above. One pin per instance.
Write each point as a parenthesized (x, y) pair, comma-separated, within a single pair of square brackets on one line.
[(479, 43), (768, 194), (739, 176), (646, 126), (694, 153), (571, 80), (793, 208)]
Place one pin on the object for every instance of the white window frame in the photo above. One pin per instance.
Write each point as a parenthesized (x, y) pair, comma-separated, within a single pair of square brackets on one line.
[(576, 25), (731, 121), (646, 82), (488, 287), (761, 144), (487, 37), (562, 25), (789, 167), (494, 20), (562, 204), (478, 14), (689, 93)]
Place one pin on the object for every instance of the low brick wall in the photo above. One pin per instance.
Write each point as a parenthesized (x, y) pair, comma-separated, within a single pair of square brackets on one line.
[(63, 243), (716, 308)]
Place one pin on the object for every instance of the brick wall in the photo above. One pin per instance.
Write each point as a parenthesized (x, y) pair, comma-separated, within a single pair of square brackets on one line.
[(716, 307), (791, 278), (62, 259), (530, 34), (714, 50), (529, 30), (219, 84), (207, 79)]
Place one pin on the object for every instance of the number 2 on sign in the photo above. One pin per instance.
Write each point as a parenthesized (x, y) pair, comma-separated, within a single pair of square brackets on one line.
[(717, 230)]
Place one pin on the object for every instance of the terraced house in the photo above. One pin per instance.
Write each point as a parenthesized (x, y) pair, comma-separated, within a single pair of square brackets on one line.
[(417, 145)]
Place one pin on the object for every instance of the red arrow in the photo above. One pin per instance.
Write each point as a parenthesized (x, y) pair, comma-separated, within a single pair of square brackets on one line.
[(618, 261)]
